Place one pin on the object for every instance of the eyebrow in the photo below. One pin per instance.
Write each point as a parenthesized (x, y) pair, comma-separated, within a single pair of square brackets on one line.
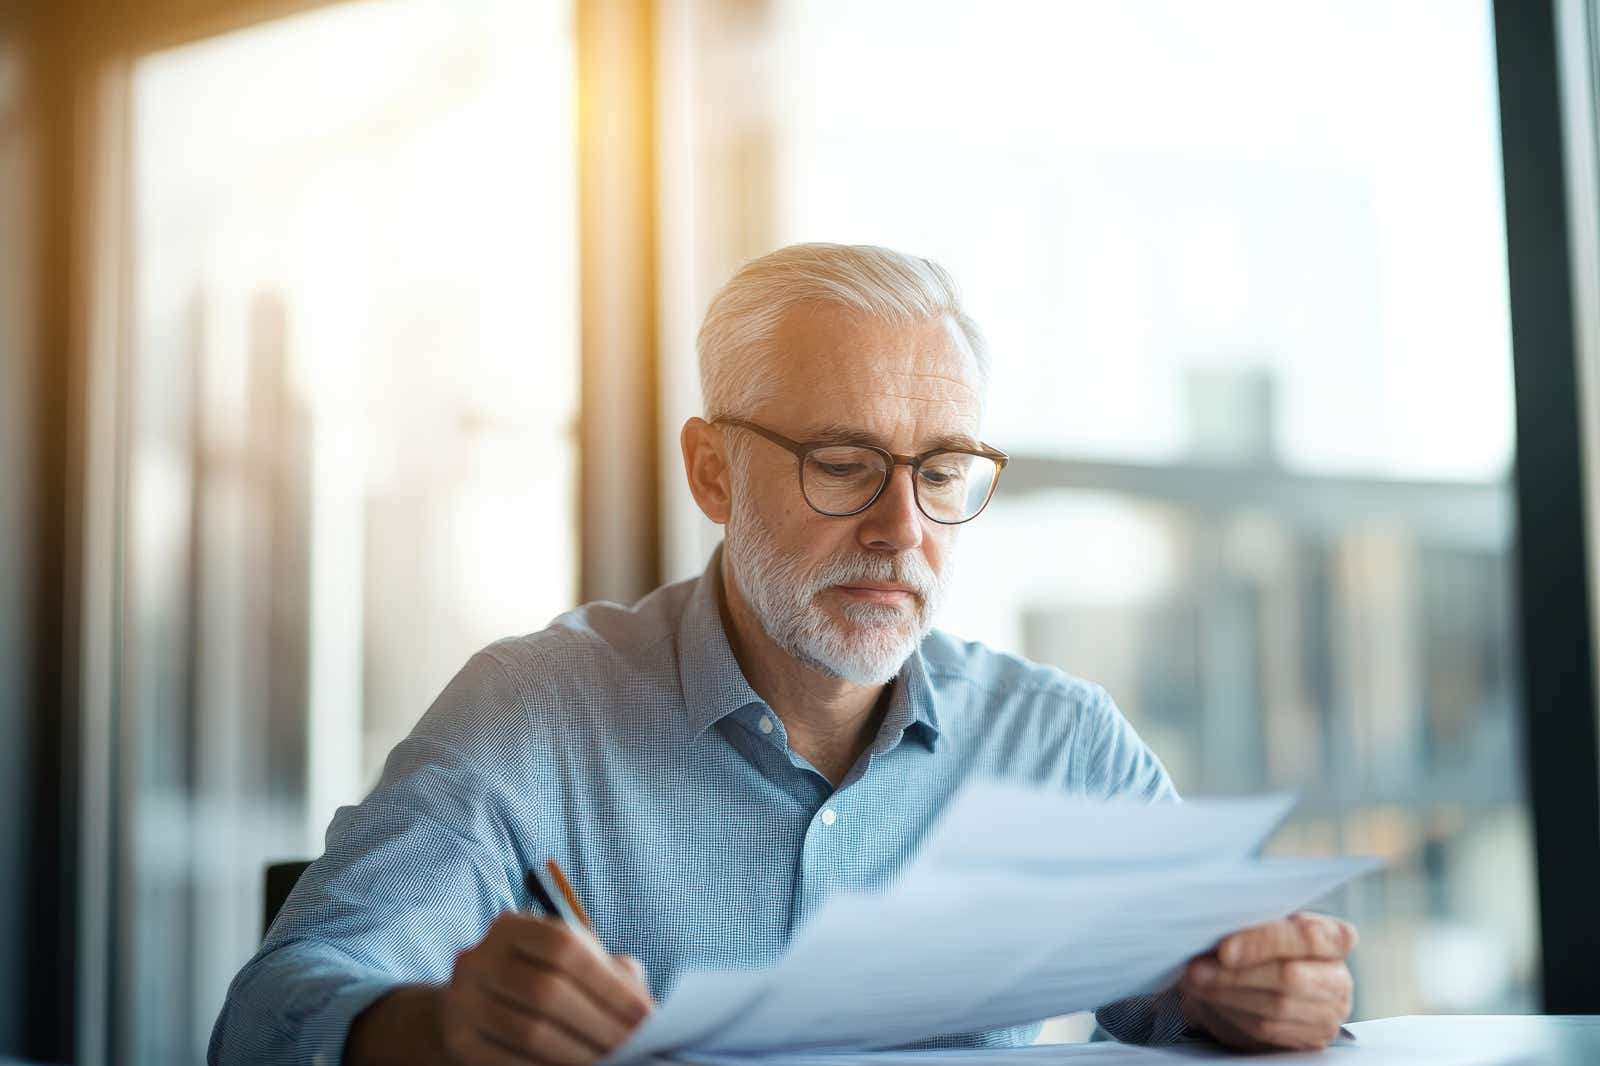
[(839, 433)]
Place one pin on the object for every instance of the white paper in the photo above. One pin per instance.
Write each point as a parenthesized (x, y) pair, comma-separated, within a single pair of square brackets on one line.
[(946, 953), (1006, 826), (1061, 905)]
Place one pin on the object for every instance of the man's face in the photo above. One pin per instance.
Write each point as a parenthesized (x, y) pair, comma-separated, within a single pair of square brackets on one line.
[(851, 596)]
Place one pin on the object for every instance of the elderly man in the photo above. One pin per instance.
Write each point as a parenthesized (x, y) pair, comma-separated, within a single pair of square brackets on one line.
[(711, 763)]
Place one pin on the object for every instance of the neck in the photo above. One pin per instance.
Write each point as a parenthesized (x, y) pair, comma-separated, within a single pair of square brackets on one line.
[(829, 720)]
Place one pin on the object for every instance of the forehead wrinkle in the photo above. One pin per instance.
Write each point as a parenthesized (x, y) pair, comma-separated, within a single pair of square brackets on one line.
[(956, 375), (915, 408), (922, 431), (884, 395), (937, 387), (865, 371)]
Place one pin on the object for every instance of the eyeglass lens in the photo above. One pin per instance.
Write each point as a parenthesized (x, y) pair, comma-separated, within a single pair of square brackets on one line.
[(950, 486)]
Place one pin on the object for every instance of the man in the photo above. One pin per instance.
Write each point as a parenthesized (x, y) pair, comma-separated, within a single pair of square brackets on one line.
[(712, 763)]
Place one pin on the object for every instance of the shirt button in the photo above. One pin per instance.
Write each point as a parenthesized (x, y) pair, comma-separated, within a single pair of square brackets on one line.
[(829, 817), (765, 725)]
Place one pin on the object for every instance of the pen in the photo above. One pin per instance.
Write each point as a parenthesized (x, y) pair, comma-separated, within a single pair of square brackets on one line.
[(551, 889)]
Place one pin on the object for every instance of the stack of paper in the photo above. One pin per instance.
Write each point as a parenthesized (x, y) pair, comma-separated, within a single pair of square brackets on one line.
[(1021, 906)]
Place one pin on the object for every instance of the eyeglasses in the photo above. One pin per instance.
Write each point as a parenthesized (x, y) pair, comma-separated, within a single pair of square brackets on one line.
[(951, 485)]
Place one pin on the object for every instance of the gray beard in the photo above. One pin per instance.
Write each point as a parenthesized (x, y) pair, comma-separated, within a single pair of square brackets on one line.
[(877, 640)]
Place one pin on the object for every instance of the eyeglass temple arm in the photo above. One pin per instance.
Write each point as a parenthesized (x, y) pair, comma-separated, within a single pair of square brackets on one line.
[(798, 449)]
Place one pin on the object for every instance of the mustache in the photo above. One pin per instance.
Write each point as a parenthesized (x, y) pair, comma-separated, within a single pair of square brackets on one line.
[(908, 570)]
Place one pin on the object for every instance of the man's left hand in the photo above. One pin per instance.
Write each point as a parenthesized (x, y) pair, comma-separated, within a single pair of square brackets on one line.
[(1279, 985)]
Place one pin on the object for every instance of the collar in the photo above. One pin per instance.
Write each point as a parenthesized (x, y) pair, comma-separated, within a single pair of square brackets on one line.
[(910, 707), (714, 686)]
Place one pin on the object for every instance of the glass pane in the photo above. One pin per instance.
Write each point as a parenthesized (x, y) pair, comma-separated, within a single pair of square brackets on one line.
[(1243, 273), (351, 458)]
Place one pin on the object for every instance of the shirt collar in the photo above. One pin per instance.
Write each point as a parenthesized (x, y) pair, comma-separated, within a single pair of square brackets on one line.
[(910, 707), (714, 686)]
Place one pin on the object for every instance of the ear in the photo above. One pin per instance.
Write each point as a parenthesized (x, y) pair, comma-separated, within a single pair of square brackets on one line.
[(705, 461)]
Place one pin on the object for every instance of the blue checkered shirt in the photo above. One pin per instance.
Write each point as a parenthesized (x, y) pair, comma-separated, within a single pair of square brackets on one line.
[(626, 744)]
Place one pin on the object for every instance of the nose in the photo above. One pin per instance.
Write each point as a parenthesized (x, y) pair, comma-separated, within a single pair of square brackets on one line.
[(893, 522)]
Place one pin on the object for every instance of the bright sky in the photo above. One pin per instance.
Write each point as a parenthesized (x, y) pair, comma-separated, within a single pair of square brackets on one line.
[(1131, 190)]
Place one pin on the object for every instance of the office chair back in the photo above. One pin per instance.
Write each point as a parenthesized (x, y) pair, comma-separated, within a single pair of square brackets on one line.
[(281, 879)]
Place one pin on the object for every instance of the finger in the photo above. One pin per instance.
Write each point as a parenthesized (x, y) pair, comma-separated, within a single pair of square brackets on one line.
[(1219, 1024), (1294, 1036), (531, 1036), (559, 948), (1299, 936), (539, 991), (475, 1048), (1303, 978), (634, 967), (1246, 1032), (1274, 1006)]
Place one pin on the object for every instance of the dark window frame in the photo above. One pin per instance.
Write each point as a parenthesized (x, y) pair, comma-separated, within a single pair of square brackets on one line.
[(1559, 721)]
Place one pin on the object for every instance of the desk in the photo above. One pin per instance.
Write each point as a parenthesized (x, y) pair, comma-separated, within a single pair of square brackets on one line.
[(1559, 1040), (1481, 1040)]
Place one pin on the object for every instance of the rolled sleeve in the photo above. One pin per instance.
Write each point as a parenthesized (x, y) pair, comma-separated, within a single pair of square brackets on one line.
[(314, 996)]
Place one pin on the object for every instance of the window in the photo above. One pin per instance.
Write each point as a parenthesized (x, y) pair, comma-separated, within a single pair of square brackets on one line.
[(1242, 269), (350, 446)]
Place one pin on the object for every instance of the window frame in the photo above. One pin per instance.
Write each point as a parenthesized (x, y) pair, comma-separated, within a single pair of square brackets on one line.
[(1556, 612)]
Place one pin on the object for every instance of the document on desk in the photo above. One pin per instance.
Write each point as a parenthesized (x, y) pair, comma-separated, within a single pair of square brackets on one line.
[(1021, 905)]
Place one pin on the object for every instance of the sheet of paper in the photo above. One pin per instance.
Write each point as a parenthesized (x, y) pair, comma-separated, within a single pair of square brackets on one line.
[(1024, 905), (701, 1003), (947, 953), (990, 825)]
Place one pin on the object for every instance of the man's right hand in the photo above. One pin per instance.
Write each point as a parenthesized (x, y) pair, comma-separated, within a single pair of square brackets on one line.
[(532, 991)]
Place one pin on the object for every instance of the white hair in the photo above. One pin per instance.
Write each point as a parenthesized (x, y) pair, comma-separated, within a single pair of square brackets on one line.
[(735, 343)]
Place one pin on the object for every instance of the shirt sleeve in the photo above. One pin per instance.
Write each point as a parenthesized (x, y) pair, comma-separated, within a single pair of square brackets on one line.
[(1121, 764), (409, 878), (1151, 1020), (1117, 762)]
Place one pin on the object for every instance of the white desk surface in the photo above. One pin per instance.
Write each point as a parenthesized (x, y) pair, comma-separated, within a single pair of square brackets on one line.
[(1451, 1040), (1560, 1040), (1465, 1039)]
